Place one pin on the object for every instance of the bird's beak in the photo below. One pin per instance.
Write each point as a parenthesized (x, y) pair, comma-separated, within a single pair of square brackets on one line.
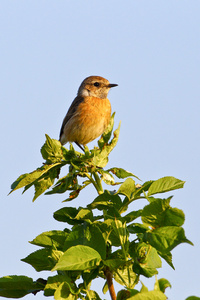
[(110, 85)]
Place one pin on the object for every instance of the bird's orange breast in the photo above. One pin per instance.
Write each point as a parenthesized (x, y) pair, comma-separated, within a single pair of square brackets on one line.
[(89, 121)]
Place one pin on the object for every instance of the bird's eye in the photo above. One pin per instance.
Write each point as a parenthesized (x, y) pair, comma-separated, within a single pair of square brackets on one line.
[(96, 84)]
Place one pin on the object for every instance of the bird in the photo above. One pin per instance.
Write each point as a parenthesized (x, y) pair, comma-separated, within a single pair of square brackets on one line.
[(89, 114)]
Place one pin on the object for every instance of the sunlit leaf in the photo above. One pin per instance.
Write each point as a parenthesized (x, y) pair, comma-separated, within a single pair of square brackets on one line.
[(151, 295), (165, 184), (121, 173), (127, 188), (78, 258), (51, 150), (163, 284), (51, 239)]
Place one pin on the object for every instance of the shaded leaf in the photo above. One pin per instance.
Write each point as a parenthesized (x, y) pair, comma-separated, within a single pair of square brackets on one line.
[(146, 259), (159, 213), (63, 292), (89, 235), (137, 228), (114, 263), (43, 259), (105, 200), (63, 184), (126, 294), (53, 282), (164, 239), (167, 257), (18, 286), (132, 216), (72, 215), (92, 295)]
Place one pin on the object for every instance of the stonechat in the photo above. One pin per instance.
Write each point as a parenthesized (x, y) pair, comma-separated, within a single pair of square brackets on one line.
[(89, 113)]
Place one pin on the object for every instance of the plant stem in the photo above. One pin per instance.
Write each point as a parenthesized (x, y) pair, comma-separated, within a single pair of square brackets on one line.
[(98, 183), (111, 288), (92, 181)]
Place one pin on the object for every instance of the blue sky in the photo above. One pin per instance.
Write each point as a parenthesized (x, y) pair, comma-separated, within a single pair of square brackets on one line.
[(151, 49)]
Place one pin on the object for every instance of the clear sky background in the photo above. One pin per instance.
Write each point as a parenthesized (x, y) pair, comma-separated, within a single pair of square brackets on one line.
[(151, 48)]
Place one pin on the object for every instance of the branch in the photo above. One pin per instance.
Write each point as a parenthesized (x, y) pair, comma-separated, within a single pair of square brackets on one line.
[(111, 288)]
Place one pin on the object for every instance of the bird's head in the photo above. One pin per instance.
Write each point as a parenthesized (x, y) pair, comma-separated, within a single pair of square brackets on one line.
[(95, 86)]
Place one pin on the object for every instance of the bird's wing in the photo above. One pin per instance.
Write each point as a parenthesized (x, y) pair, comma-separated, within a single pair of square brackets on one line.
[(71, 112)]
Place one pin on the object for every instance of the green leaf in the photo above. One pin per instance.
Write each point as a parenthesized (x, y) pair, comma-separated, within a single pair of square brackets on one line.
[(105, 200), (53, 282), (100, 158), (51, 239), (89, 235), (92, 295), (151, 295), (126, 277), (78, 258), (143, 288), (127, 188), (192, 298), (107, 177), (163, 284), (167, 257), (159, 213), (63, 184), (114, 263), (107, 133), (43, 184), (52, 150), (84, 214), (165, 184), (121, 173), (72, 215), (122, 234), (43, 259), (164, 239), (126, 294), (143, 188), (29, 179), (89, 275), (63, 292), (132, 216), (146, 259), (137, 228), (18, 286)]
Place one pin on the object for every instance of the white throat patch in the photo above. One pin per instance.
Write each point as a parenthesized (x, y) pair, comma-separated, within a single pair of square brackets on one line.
[(85, 93)]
